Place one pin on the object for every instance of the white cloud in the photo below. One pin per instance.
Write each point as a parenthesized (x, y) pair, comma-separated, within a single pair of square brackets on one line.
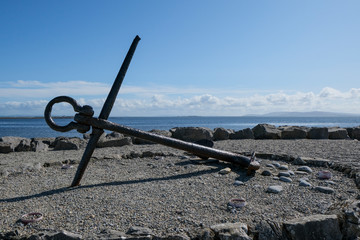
[(164, 102)]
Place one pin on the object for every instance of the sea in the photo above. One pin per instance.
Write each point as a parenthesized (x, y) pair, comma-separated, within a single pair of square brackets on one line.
[(37, 127)]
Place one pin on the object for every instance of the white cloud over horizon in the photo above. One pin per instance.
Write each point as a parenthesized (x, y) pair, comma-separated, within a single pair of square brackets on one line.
[(28, 98)]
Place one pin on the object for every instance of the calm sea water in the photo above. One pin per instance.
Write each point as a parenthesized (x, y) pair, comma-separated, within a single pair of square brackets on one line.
[(38, 128)]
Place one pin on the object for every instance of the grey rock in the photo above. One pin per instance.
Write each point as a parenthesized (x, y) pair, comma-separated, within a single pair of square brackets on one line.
[(221, 134), (114, 135), (238, 183), (39, 146), (270, 165), (354, 132), (301, 173), (62, 235), (24, 145), (291, 172), (314, 227), (338, 133), (285, 179), (228, 231), (304, 169), (6, 147), (330, 182), (318, 133), (206, 234), (274, 189), (139, 231), (276, 164), (293, 132), (63, 143), (246, 133), (270, 230), (351, 224), (284, 167), (191, 134), (284, 174), (304, 183), (266, 131), (111, 234), (319, 162), (114, 142), (13, 141), (266, 173), (299, 161), (324, 189)]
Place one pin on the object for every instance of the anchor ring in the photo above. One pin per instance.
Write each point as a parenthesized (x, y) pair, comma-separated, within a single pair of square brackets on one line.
[(82, 110)]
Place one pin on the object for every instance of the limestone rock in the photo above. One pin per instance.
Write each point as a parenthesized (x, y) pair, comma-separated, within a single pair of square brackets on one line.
[(314, 227), (221, 134), (274, 189), (63, 143), (293, 132), (24, 145), (39, 146), (246, 133), (192, 134), (227, 231), (338, 133), (13, 142), (318, 133), (266, 131)]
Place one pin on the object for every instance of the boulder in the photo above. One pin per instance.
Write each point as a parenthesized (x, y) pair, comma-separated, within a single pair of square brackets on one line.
[(114, 142), (64, 143), (293, 132), (354, 133), (38, 146), (266, 131), (227, 231), (318, 133), (24, 145), (47, 140), (6, 147), (192, 134), (338, 133), (314, 227), (351, 221), (221, 134), (13, 141), (165, 133), (246, 133)]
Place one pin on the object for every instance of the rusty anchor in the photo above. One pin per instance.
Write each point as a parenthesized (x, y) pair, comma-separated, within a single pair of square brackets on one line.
[(84, 119)]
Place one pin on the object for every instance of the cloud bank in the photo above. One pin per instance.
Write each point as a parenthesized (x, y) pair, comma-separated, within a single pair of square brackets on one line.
[(29, 98)]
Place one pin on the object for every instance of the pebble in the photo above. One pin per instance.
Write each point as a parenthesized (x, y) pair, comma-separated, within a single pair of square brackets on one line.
[(270, 165), (238, 183), (285, 179), (305, 169), (284, 167), (225, 171), (301, 173), (324, 189), (291, 172), (330, 182), (304, 183), (274, 189), (276, 164), (284, 174), (266, 173), (324, 174)]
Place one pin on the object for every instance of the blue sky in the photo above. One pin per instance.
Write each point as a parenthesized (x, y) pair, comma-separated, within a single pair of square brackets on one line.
[(195, 57)]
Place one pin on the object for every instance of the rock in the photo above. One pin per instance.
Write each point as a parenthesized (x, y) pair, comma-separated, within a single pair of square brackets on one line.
[(6, 147), (293, 132), (62, 235), (319, 162), (276, 164), (205, 234), (14, 141), (266, 131), (314, 227), (284, 167), (318, 133), (165, 133), (139, 231), (39, 146), (270, 230), (221, 134), (229, 231), (191, 134), (301, 173), (351, 224), (111, 234), (324, 174), (304, 183), (270, 165), (246, 133), (274, 189), (114, 142), (114, 135), (326, 190), (338, 133), (299, 161), (225, 171), (62, 143), (305, 169), (24, 145), (266, 173), (284, 174), (285, 179), (354, 132), (238, 183)]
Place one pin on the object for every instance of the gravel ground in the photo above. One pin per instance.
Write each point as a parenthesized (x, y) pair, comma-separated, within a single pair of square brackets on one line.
[(167, 191)]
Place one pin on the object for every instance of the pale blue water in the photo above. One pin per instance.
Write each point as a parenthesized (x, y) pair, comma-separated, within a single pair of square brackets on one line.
[(30, 128)]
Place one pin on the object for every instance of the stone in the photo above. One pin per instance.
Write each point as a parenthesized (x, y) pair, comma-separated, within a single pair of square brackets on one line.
[(165, 133), (304, 169), (301, 173), (270, 165), (63, 143), (266, 131), (246, 133), (351, 224), (62, 235), (293, 132), (274, 189), (285, 179), (205, 234), (114, 135), (314, 227), (276, 164), (6, 147), (299, 161), (323, 189), (191, 134), (284, 167), (238, 183), (229, 231), (114, 142), (319, 162), (354, 133), (338, 133), (139, 231), (266, 173), (304, 183), (39, 146), (284, 174), (225, 171), (318, 133), (24, 145), (111, 234), (221, 134), (13, 141)]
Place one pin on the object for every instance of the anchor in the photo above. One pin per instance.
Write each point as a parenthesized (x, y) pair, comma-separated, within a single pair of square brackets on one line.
[(84, 119)]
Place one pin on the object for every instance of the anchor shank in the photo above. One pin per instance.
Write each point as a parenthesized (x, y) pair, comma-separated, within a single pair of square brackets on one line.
[(171, 142)]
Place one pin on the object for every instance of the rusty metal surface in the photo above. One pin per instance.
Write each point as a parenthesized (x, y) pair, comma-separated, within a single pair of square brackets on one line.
[(84, 120)]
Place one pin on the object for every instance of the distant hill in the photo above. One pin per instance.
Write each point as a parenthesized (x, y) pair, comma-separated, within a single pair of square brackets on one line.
[(309, 114)]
